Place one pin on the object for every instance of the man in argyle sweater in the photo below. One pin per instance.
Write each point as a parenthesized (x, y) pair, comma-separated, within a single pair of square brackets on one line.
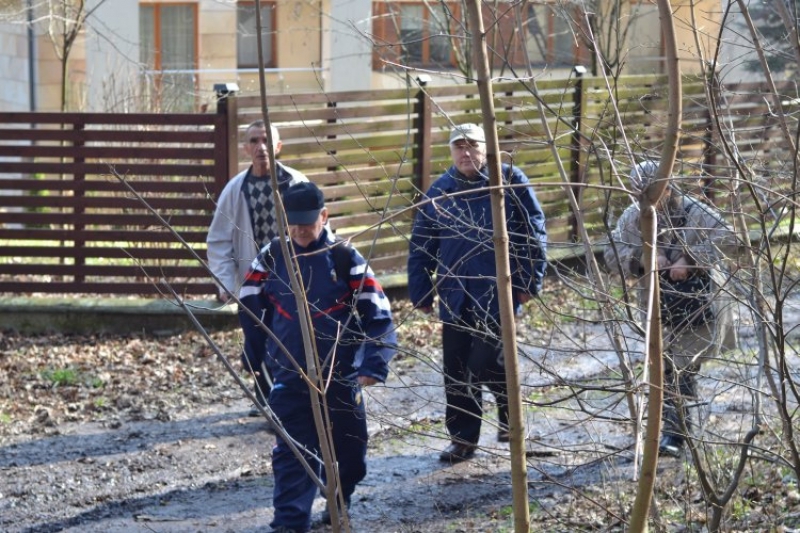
[(245, 221)]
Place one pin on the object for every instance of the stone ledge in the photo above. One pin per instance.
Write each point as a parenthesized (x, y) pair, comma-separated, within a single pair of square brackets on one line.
[(32, 315)]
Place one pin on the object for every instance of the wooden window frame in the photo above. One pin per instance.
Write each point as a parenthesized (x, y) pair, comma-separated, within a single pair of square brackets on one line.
[(387, 50), (272, 31), (385, 29), (551, 53), (157, 66)]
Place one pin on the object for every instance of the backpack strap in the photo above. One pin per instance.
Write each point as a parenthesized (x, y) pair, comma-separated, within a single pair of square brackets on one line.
[(269, 259), (342, 259), (342, 262)]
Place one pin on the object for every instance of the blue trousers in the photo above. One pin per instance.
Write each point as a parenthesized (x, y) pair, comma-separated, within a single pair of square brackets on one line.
[(295, 491)]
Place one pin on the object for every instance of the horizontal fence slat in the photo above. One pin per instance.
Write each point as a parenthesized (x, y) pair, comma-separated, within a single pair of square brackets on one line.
[(123, 169), (178, 219), (111, 119), (107, 184), (107, 152), (155, 235), (122, 201), (194, 136), (108, 271), (129, 252)]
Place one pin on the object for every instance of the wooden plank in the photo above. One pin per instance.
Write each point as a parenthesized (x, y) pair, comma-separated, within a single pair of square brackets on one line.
[(344, 113), (160, 203), (157, 235), (102, 219), (125, 153), (111, 119), (154, 169), (400, 140), (396, 170), (385, 125), (303, 99), (132, 253), (369, 188), (142, 184), (106, 271), (359, 205), (362, 220), (106, 136)]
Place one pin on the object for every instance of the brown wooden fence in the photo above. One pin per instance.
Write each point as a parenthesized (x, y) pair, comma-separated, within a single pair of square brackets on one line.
[(69, 224)]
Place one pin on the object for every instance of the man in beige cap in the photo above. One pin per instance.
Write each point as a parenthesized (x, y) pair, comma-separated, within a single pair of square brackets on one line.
[(696, 316), (452, 238)]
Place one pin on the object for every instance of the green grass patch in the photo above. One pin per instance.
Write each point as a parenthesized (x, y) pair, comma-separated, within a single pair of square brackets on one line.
[(60, 377), (69, 377)]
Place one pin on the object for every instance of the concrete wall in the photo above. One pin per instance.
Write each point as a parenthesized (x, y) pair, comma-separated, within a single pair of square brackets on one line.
[(299, 51), (14, 69), (348, 51), (112, 55)]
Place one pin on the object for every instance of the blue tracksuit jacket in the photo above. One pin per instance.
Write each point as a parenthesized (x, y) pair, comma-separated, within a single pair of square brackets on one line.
[(452, 237), (367, 341)]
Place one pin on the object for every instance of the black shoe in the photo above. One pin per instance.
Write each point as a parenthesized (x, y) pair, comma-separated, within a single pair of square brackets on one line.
[(255, 413), (503, 435), (262, 401), (671, 446), (325, 517), (457, 452), (283, 529)]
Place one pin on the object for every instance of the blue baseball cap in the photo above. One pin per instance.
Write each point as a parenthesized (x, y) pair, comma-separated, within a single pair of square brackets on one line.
[(303, 203)]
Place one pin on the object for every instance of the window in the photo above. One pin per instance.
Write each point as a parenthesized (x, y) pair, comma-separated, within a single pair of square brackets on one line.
[(415, 33), (425, 34), (168, 51), (247, 39), (550, 38)]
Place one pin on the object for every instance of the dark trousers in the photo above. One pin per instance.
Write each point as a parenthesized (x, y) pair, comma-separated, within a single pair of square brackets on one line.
[(472, 359), (262, 386), (679, 389), (295, 491)]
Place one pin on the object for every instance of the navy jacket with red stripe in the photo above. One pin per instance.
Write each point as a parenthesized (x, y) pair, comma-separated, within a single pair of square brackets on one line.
[(351, 318)]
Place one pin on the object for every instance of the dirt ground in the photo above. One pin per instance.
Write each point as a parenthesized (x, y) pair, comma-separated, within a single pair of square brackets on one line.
[(152, 435)]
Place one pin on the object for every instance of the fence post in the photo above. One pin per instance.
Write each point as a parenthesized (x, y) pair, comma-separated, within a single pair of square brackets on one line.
[(332, 105), (709, 170), (227, 135), (576, 169), (79, 180), (424, 123)]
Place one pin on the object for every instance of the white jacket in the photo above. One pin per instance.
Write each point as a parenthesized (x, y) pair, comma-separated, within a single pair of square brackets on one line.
[(231, 244)]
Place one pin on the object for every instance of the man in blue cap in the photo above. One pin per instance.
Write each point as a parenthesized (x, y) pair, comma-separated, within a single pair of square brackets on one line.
[(354, 338)]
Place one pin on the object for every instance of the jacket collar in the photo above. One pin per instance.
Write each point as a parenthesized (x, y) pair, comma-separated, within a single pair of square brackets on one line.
[(462, 182), (283, 176), (322, 241)]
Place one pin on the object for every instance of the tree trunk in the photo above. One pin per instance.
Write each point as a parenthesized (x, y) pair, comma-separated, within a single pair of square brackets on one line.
[(519, 470)]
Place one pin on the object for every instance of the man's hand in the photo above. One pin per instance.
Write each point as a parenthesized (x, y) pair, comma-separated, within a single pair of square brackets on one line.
[(524, 298), (427, 309), (679, 269), (366, 381), (223, 297)]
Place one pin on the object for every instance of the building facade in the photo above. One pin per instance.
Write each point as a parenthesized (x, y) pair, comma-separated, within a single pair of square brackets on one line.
[(167, 55)]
